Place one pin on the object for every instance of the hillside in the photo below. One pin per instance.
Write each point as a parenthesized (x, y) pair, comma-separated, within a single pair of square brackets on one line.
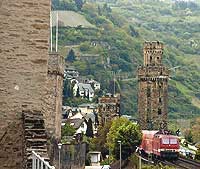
[(122, 27), (70, 19)]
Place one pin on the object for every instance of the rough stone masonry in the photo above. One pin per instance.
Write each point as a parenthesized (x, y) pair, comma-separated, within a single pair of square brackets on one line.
[(24, 34), (153, 88)]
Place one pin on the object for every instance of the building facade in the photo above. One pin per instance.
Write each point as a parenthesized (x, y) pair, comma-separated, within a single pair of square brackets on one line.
[(153, 88)]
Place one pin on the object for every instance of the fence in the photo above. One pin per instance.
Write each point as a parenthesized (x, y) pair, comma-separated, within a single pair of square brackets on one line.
[(39, 162)]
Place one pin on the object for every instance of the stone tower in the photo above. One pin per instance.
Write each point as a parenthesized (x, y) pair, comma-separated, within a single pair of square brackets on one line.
[(108, 108), (153, 88)]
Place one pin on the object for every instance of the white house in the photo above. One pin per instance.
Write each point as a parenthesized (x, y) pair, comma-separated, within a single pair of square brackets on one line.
[(78, 124), (84, 90), (96, 84), (82, 116)]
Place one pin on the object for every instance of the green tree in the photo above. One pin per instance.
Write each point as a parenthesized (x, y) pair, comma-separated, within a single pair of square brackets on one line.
[(67, 130), (71, 56), (77, 92), (79, 4), (195, 130), (99, 142), (89, 131), (128, 133)]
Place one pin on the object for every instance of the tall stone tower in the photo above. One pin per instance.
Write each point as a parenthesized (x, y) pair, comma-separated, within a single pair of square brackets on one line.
[(153, 88)]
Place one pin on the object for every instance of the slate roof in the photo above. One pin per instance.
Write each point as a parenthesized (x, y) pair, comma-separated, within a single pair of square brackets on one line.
[(77, 122), (83, 87)]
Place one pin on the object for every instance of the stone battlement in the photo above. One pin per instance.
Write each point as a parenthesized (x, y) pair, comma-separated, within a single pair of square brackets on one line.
[(153, 45)]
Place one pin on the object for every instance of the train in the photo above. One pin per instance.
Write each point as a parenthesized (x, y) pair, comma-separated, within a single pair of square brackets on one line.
[(159, 144)]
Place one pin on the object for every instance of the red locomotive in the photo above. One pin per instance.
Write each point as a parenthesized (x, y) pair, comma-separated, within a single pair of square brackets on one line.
[(160, 144)]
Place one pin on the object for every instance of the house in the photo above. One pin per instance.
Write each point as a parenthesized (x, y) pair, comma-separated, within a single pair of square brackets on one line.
[(87, 107), (70, 73), (95, 84), (77, 123), (68, 112), (82, 117), (83, 90)]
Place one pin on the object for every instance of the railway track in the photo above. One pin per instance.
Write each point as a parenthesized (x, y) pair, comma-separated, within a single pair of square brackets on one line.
[(181, 163), (188, 163)]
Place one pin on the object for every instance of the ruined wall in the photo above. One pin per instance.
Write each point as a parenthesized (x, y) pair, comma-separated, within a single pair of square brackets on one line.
[(153, 88), (23, 70)]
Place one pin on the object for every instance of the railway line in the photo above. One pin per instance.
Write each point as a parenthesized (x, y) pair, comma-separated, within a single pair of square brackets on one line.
[(183, 163), (188, 163)]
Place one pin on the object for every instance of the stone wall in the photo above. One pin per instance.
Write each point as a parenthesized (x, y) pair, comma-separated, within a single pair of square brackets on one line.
[(54, 89), (108, 108), (23, 70)]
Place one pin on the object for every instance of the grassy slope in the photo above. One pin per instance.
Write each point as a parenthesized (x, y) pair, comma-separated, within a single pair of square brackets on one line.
[(70, 19)]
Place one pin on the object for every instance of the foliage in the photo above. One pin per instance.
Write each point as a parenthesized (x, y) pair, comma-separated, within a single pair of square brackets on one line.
[(195, 130), (188, 136), (128, 133), (67, 90), (197, 156), (99, 142), (75, 101), (67, 130), (71, 56), (79, 4), (64, 5), (89, 130), (157, 167)]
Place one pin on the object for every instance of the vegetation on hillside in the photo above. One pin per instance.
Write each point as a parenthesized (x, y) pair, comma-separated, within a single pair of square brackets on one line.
[(115, 47)]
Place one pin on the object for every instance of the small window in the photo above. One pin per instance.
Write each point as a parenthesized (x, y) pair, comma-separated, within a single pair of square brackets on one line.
[(158, 58), (165, 140), (160, 100), (173, 141), (148, 92), (159, 111)]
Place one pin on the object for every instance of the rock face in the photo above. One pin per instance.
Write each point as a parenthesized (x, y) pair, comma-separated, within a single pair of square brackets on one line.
[(153, 88), (24, 80)]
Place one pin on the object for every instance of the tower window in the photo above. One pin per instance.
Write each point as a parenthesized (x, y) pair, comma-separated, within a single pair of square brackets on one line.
[(160, 100), (158, 58), (159, 111), (148, 92)]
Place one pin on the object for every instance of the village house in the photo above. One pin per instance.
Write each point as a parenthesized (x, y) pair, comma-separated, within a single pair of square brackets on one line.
[(83, 90), (70, 73), (81, 118), (88, 108)]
